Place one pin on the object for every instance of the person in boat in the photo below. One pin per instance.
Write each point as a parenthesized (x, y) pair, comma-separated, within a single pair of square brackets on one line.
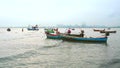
[(69, 31), (36, 26), (57, 32), (56, 29), (82, 33)]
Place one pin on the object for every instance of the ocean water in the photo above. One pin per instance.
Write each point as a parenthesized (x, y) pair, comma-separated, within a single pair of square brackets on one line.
[(31, 49)]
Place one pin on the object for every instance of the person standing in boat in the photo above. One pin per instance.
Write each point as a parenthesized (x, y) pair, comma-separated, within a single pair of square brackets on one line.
[(57, 32), (82, 33), (69, 31)]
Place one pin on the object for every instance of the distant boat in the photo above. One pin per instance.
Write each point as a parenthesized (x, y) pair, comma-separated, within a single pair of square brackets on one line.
[(33, 27), (98, 30), (107, 31), (83, 39)]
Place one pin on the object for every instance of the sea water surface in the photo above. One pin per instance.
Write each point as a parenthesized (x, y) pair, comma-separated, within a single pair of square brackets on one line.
[(31, 49)]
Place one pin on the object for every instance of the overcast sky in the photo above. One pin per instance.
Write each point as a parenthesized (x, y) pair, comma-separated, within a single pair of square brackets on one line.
[(52, 12)]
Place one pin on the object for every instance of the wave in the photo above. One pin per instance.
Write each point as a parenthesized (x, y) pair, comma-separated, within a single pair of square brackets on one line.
[(29, 53), (26, 54), (114, 63)]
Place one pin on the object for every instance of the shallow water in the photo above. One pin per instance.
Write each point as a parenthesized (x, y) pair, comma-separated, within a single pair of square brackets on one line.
[(31, 49)]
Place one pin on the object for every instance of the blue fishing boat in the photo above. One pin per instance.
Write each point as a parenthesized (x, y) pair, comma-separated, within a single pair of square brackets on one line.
[(33, 27), (84, 39)]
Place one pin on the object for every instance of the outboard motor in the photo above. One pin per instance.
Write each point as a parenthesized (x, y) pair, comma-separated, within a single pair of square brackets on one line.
[(107, 34)]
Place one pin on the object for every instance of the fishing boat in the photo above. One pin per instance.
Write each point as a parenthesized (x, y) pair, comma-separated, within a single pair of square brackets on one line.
[(33, 27), (52, 33), (98, 30), (107, 31), (84, 39)]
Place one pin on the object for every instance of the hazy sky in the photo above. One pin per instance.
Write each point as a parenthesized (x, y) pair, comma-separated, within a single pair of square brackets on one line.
[(52, 12)]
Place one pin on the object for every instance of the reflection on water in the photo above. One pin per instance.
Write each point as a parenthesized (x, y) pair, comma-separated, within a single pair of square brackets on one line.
[(31, 49)]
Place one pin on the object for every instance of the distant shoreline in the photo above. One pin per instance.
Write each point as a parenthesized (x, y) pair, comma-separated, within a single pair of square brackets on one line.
[(62, 27)]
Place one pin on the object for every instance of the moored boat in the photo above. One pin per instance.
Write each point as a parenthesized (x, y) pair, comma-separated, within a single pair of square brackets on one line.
[(33, 28), (98, 30), (84, 39), (107, 31)]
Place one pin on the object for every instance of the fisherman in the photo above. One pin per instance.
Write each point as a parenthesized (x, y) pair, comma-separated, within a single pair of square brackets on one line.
[(69, 31), (57, 32), (82, 33), (36, 26)]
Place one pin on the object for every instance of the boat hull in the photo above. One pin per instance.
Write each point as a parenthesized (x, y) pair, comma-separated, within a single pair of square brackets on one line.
[(54, 36), (81, 39)]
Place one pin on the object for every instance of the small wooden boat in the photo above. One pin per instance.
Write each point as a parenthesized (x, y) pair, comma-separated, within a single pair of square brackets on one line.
[(52, 36), (83, 39), (33, 29), (98, 30), (107, 31)]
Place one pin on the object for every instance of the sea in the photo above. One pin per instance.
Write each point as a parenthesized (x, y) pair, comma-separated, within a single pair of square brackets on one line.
[(31, 49)]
